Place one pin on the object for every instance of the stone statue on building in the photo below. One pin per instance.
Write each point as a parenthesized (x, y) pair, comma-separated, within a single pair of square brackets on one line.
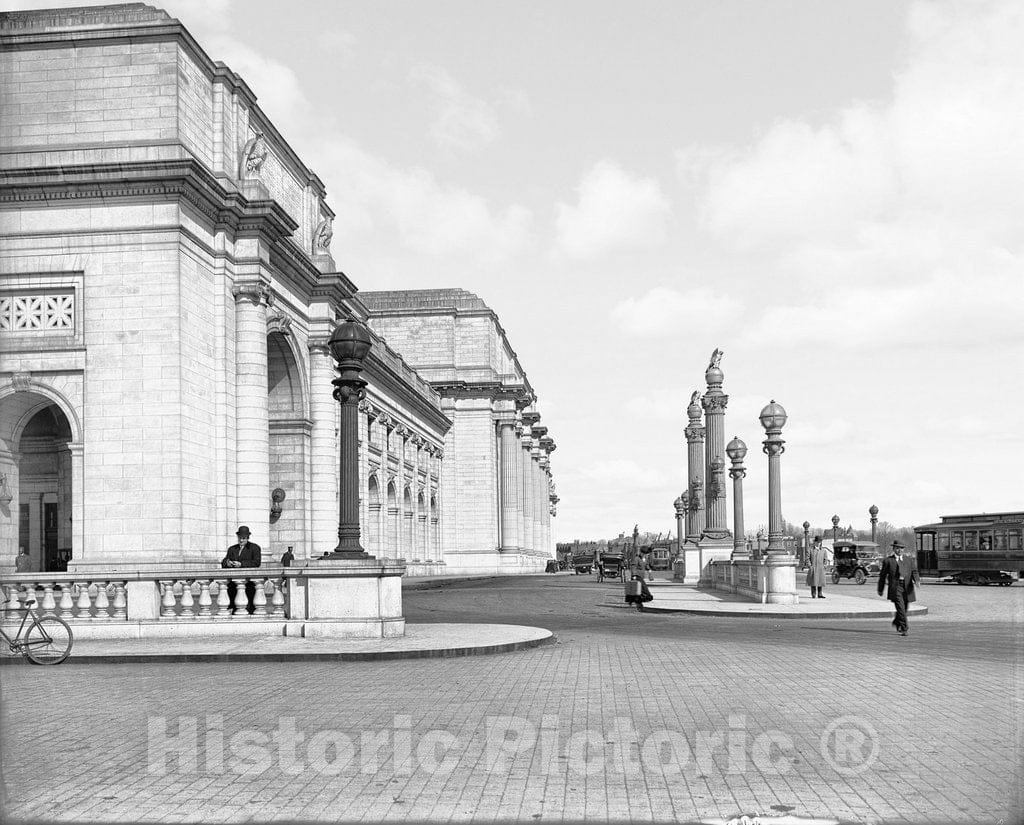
[(716, 359), (322, 237), (254, 153), (695, 398)]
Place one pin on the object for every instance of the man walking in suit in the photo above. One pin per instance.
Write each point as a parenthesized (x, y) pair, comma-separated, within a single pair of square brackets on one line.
[(900, 572), (242, 554)]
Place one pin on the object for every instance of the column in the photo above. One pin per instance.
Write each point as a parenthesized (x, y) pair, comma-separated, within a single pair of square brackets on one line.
[(779, 565), (526, 460), (545, 507), (509, 485), (538, 486), (252, 421), (695, 467), (323, 450), (680, 505), (714, 403)]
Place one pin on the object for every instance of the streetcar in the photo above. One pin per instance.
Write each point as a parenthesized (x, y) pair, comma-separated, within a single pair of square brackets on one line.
[(983, 548)]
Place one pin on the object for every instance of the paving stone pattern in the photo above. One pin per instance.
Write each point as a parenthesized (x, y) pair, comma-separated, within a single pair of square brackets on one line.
[(843, 720)]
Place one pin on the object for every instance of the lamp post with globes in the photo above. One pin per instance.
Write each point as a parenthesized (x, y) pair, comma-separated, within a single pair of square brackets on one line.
[(807, 543), (737, 451), (779, 564), (873, 512), (350, 343)]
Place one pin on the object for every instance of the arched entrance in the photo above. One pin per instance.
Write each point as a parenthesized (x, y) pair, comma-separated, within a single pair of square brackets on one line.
[(289, 447), (37, 456)]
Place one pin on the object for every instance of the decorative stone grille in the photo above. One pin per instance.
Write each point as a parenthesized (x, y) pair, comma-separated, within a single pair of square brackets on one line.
[(37, 313)]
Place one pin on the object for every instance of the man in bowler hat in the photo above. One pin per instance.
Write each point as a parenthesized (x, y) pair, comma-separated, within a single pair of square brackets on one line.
[(900, 572), (243, 554)]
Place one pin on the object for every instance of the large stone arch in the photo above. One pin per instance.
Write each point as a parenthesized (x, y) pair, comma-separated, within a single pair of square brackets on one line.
[(289, 438), (41, 457)]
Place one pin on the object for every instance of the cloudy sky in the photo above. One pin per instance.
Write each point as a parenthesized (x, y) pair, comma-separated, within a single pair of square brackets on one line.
[(832, 193)]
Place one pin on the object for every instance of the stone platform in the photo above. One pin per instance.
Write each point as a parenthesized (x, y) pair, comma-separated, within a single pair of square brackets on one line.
[(419, 641), (674, 597)]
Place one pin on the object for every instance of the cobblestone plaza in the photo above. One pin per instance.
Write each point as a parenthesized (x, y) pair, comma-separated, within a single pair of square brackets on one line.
[(626, 717)]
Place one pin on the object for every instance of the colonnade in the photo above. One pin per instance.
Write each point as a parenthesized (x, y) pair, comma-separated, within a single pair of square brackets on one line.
[(526, 494)]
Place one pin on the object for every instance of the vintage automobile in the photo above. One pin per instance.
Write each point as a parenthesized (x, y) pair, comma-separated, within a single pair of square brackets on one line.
[(857, 560), (612, 566), (583, 563)]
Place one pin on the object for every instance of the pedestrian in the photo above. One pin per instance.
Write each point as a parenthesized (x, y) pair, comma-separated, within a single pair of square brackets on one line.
[(900, 572), (23, 561), (640, 571), (816, 568), (287, 558), (243, 554)]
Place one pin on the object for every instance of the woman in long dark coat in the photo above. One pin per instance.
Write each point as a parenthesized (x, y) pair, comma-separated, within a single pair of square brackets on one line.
[(640, 572)]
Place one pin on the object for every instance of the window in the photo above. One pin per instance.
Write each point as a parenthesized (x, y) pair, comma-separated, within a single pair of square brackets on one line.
[(958, 540), (1013, 539), (985, 541), (970, 540)]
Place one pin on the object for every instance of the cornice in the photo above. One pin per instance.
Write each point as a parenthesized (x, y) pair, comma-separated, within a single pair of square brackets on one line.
[(481, 389)]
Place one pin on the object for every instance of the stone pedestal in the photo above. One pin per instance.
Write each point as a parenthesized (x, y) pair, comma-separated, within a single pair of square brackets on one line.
[(780, 580), (712, 549), (351, 598), (691, 563)]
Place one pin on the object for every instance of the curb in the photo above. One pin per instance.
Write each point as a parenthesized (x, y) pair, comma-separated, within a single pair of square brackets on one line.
[(736, 614), (340, 656)]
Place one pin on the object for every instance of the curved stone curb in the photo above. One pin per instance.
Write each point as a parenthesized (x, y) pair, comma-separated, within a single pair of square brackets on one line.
[(534, 637)]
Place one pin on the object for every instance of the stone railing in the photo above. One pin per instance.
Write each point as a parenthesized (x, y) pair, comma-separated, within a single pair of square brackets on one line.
[(767, 580), (359, 598)]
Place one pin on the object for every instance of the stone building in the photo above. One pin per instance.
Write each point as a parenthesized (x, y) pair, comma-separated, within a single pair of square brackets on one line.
[(502, 495), (166, 295)]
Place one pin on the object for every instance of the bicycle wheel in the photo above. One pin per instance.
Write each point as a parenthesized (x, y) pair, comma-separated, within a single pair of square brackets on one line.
[(48, 641)]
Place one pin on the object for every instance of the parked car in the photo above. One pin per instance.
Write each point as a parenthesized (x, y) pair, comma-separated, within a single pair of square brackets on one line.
[(857, 560)]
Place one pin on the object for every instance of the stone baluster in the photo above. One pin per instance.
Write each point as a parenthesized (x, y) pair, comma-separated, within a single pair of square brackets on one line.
[(67, 604), (84, 602), (240, 601), (187, 601), (167, 600), (102, 601), (223, 602), (120, 601), (205, 602), (259, 599), (48, 605), (13, 600), (277, 598)]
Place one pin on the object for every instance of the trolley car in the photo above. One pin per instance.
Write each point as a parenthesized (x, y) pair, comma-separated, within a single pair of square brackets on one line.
[(984, 548)]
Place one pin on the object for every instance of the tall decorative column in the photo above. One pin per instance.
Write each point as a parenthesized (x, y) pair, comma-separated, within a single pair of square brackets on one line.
[(509, 541), (737, 451), (873, 513), (323, 450), (526, 460), (680, 505), (714, 403), (695, 470), (538, 498), (780, 585), (252, 417)]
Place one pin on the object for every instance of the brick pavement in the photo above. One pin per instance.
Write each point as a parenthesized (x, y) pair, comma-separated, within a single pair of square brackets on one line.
[(745, 705)]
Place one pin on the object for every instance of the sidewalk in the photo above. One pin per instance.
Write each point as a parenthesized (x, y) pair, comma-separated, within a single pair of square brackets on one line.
[(674, 597), (420, 641)]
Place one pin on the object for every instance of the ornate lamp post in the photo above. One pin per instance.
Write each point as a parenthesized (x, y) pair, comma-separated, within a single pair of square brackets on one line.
[(680, 504), (835, 529), (737, 451), (773, 419), (807, 543), (873, 512), (349, 345)]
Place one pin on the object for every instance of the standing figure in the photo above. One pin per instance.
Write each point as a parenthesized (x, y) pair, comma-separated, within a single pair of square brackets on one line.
[(900, 572), (243, 554), (816, 568), (23, 561), (640, 572)]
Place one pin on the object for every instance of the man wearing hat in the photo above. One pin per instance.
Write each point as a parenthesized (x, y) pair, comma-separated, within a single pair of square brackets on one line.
[(900, 572), (243, 554)]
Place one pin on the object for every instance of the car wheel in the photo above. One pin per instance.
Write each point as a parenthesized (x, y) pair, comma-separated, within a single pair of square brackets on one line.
[(835, 577), (859, 576)]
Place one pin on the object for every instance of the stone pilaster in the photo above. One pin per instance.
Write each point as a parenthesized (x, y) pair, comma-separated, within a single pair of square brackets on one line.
[(509, 485), (695, 470), (714, 403), (324, 458), (252, 420)]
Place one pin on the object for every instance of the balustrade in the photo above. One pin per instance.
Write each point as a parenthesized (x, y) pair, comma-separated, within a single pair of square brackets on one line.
[(79, 599)]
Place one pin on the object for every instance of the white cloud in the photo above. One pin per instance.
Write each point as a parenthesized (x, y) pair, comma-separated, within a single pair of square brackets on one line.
[(624, 474), (660, 405), (663, 312), (429, 218), (615, 211), (461, 122)]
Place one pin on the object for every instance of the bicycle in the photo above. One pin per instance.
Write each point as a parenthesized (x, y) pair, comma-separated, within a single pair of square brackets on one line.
[(47, 641)]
